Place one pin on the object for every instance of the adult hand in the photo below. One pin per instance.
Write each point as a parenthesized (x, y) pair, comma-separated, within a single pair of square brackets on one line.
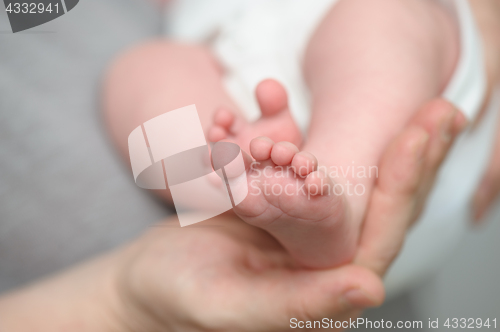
[(228, 276), (487, 14), (238, 278)]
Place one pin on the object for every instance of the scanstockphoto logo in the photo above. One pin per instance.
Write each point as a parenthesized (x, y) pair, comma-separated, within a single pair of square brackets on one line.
[(171, 150), (25, 15)]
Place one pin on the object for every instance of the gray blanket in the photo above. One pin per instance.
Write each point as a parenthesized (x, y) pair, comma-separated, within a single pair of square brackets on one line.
[(66, 196), (64, 193)]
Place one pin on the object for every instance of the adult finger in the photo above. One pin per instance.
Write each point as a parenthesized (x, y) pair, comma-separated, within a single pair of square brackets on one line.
[(443, 122), (489, 187), (487, 16), (407, 170)]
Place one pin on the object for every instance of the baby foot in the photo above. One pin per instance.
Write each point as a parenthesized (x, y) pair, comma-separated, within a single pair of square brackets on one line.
[(276, 121), (296, 202)]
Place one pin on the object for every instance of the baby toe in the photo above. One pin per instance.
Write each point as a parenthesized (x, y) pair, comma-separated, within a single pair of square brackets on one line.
[(261, 147), (304, 163), (216, 133), (224, 118), (283, 152), (271, 96), (318, 183)]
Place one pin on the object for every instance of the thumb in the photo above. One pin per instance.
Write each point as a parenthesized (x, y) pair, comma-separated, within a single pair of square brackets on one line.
[(316, 294)]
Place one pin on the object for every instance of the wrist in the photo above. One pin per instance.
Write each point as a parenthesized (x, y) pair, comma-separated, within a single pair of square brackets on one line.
[(81, 299)]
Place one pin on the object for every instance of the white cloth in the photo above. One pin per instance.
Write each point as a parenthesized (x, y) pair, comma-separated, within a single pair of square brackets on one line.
[(257, 39), (253, 40)]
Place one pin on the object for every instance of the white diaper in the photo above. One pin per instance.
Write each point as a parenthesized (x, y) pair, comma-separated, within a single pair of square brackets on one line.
[(253, 40), (258, 39)]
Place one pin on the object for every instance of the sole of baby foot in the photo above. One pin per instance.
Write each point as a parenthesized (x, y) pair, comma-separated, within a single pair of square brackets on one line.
[(293, 200)]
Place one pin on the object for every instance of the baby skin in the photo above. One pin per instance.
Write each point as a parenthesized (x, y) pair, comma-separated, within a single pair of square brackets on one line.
[(288, 195), (364, 88)]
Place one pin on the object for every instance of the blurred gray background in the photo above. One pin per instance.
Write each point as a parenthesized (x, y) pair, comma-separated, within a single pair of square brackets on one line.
[(65, 195)]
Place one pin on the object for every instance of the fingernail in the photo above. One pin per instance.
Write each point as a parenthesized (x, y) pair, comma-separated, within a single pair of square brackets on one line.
[(447, 126), (357, 298)]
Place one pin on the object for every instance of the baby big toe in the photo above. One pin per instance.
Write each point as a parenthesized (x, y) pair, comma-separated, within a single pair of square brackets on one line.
[(271, 96)]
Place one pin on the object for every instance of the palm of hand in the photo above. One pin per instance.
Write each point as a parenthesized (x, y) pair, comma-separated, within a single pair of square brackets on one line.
[(228, 277)]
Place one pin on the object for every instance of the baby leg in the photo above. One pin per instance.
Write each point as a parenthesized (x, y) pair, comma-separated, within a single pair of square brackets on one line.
[(369, 66), (158, 77), (161, 76)]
